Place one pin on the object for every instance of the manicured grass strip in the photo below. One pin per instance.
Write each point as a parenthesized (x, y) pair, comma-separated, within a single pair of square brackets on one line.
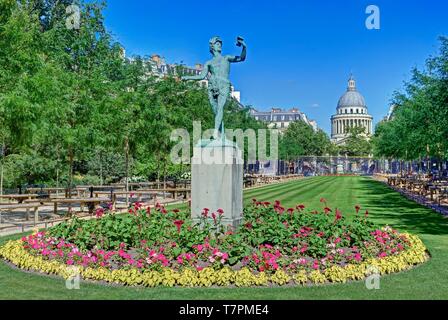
[(429, 281)]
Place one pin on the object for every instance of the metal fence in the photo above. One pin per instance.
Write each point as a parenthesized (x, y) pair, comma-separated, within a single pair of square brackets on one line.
[(315, 166), (328, 165)]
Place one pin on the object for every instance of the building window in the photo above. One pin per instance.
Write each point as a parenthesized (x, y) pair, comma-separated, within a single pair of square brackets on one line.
[(351, 110), (357, 110)]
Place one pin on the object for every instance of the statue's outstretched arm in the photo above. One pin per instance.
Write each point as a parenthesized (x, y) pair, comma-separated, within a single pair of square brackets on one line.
[(201, 76), (242, 57)]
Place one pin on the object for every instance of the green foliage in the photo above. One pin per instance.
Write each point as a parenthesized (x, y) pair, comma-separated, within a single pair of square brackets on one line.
[(72, 105), (301, 140), (419, 125), (356, 144)]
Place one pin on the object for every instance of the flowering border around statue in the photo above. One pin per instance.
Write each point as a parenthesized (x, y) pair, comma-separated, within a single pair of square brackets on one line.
[(17, 255), (275, 246)]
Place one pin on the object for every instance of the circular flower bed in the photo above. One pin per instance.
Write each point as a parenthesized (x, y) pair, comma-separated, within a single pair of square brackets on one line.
[(274, 246)]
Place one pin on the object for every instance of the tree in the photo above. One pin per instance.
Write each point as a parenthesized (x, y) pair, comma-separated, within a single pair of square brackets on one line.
[(356, 144), (419, 126)]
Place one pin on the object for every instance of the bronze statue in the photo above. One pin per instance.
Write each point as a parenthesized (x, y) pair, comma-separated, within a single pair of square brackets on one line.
[(217, 70)]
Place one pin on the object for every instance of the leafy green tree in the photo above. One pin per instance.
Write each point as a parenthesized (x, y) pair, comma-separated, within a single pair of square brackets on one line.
[(357, 143)]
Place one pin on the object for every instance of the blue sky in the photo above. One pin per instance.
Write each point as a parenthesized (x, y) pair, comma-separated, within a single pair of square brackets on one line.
[(300, 53)]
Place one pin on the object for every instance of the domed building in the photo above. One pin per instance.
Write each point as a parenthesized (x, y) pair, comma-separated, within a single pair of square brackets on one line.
[(351, 112)]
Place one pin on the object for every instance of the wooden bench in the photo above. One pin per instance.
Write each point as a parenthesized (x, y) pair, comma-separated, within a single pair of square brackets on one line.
[(90, 202), (12, 207), (18, 197)]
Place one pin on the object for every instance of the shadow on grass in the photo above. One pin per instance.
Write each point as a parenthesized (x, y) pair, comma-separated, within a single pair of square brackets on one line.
[(388, 206)]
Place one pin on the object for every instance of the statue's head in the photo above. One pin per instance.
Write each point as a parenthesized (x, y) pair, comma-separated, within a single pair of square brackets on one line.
[(215, 45)]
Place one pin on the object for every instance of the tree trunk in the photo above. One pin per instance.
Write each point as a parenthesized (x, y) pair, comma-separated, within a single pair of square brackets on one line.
[(1, 177), (126, 147), (70, 173), (164, 176), (2, 154), (57, 181), (101, 170), (158, 171)]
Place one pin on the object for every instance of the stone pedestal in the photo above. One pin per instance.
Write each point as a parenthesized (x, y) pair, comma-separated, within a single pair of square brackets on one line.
[(217, 181)]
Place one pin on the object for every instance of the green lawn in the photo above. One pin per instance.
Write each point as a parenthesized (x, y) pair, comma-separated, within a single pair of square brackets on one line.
[(429, 281)]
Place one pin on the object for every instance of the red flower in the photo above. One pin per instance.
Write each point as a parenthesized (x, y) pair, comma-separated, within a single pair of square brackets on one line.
[(358, 207), (214, 217), (179, 224), (249, 226), (137, 205), (323, 200), (220, 212), (99, 212), (291, 211), (338, 215), (300, 207), (327, 210), (279, 210), (148, 210), (205, 212), (367, 213)]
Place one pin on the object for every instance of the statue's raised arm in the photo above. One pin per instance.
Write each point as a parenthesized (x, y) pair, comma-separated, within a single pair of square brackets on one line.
[(240, 43)]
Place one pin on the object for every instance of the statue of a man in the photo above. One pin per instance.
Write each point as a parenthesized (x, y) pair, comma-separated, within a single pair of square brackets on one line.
[(219, 84)]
